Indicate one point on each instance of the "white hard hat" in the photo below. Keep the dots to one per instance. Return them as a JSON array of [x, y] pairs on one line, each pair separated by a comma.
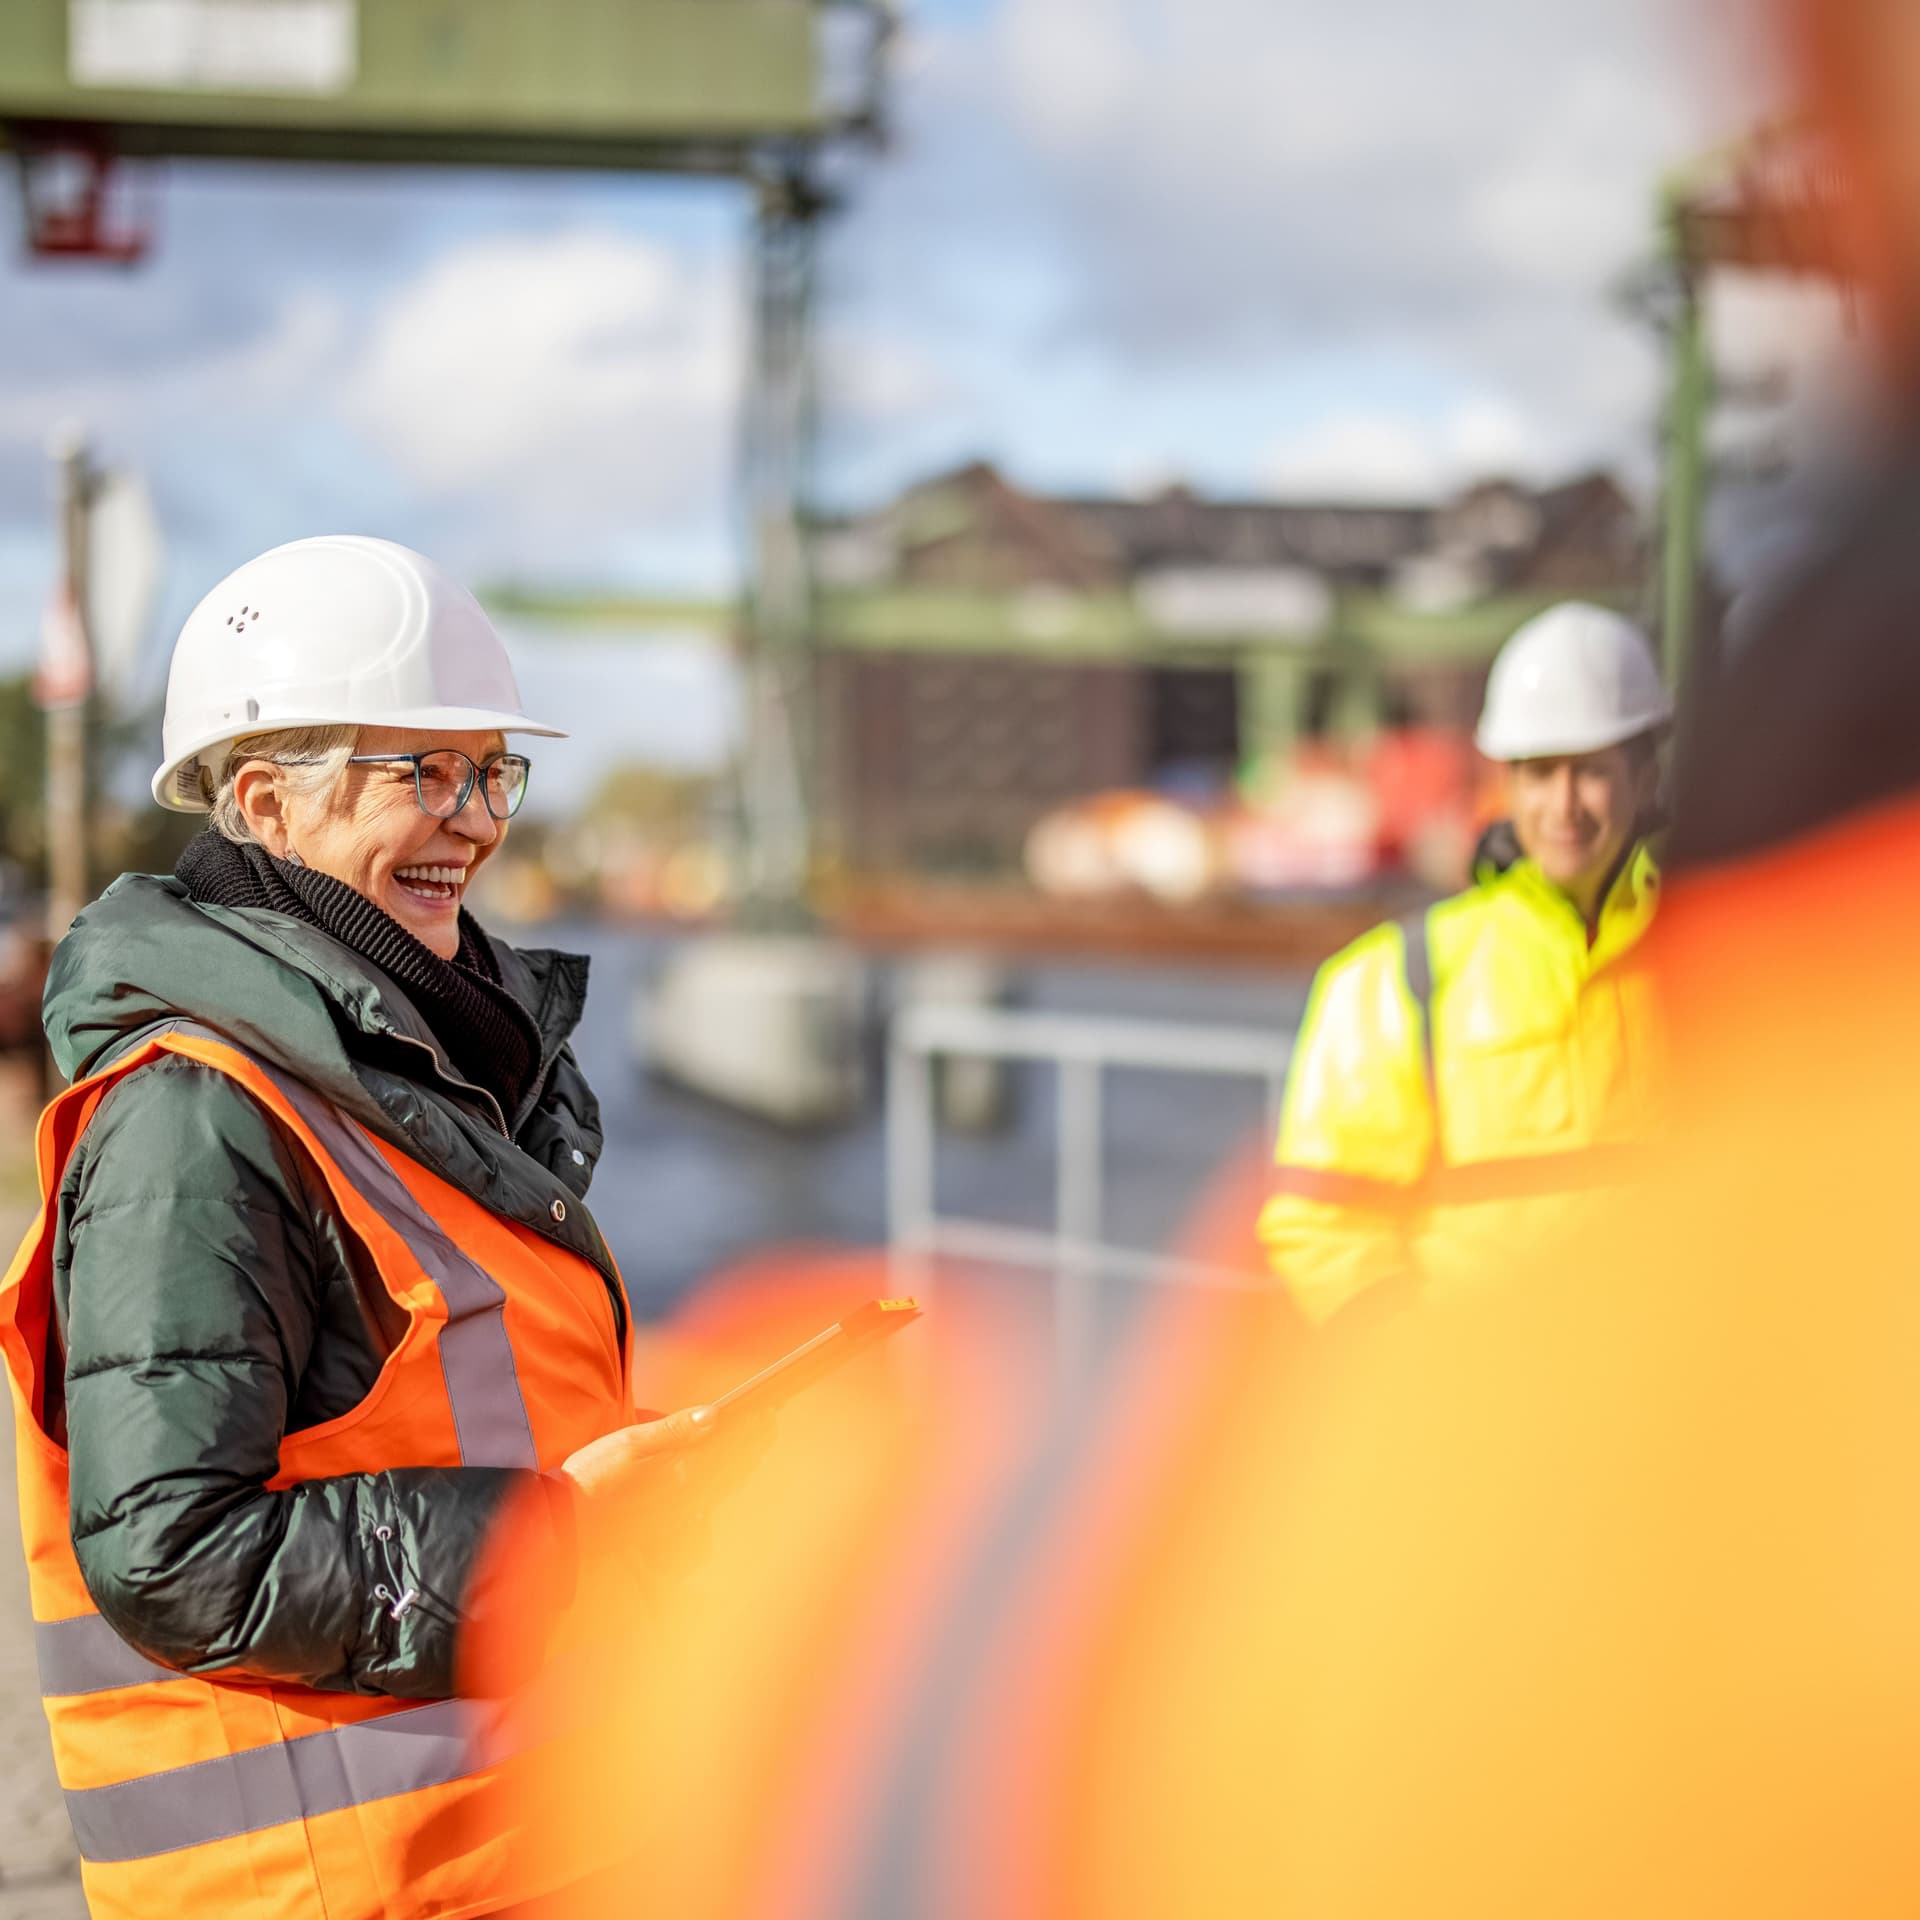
[[335, 631], [1573, 680]]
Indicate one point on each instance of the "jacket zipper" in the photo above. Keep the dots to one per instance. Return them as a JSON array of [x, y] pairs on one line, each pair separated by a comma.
[[612, 1286], [447, 1079]]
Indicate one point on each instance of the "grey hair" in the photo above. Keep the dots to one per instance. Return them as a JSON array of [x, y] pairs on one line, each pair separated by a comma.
[[313, 759]]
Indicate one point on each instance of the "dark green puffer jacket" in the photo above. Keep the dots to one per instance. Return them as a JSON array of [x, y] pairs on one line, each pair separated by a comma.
[[210, 1300]]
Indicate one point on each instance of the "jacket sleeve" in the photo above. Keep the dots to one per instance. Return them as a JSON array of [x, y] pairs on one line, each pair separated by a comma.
[[193, 1269], [1356, 1132]]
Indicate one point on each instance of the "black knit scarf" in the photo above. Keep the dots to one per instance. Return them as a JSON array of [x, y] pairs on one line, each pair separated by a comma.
[[489, 1036]]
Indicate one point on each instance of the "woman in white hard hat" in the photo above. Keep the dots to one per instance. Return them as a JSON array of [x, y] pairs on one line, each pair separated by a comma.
[[315, 1295], [1464, 1080]]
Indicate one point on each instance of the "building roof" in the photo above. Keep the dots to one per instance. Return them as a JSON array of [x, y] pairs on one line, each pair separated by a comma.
[[1179, 528], [968, 553]]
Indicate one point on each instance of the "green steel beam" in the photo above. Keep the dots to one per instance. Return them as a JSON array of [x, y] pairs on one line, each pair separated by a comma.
[[1471, 635], [1103, 626], [1109, 626], [615, 616], [604, 83]]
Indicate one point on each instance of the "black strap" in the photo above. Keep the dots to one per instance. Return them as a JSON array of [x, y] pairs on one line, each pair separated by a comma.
[[1600, 1168], [1329, 1187]]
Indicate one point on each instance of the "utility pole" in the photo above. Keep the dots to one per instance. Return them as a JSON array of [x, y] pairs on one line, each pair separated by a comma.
[[776, 774], [64, 689]]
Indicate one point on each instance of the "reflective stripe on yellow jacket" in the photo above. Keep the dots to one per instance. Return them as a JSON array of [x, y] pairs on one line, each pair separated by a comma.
[[231, 1794], [1429, 1143]]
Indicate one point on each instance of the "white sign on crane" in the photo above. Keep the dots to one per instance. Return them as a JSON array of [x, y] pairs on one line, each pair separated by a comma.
[[214, 46]]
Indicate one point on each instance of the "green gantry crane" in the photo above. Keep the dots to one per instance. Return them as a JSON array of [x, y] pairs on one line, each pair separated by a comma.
[[1765, 203]]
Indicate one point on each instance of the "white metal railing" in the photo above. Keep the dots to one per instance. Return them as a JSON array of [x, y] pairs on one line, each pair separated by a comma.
[[1081, 1049]]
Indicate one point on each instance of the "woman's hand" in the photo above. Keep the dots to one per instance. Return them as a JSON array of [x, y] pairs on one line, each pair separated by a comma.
[[646, 1495], [608, 1465]]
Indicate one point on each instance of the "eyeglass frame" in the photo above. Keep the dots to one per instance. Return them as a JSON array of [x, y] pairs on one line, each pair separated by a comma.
[[473, 779]]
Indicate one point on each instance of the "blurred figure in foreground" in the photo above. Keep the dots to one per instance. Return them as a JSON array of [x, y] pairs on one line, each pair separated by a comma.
[[1460, 1076], [1599, 1598], [1595, 1597]]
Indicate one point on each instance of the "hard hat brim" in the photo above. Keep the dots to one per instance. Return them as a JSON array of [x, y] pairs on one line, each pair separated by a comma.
[[165, 784], [1495, 745]]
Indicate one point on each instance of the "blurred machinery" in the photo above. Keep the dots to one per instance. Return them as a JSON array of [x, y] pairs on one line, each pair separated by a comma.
[[1766, 204], [769, 92], [773, 93]]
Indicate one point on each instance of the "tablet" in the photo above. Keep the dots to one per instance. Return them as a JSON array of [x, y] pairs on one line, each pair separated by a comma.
[[862, 1328]]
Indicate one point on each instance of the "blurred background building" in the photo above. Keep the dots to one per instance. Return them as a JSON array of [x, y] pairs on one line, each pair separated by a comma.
[[1018, 683]]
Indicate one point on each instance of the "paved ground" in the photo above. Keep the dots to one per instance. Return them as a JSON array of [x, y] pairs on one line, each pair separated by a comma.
[[39, 1870]]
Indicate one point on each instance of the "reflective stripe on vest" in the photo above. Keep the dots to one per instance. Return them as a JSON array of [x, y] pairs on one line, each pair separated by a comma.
[[299, 1779], [488, 1412], [1416, 946], [345, 1766], [85, 1655], [200, 1814]]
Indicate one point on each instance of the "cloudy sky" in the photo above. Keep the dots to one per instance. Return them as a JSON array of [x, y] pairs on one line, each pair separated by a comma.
[[1339, 247]]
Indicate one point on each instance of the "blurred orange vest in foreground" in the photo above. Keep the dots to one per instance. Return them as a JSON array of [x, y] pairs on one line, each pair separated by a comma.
[[1602, 1598], [1599, 1596], [207, 1796]]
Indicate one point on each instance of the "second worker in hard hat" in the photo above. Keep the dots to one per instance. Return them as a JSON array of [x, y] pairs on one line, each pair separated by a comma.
[[1465, 1079]]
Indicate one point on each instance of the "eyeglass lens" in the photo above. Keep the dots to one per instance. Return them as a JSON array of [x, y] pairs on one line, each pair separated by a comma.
[[446, 783]]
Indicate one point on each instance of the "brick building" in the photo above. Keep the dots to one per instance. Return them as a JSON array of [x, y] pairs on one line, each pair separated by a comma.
[[987, 653]]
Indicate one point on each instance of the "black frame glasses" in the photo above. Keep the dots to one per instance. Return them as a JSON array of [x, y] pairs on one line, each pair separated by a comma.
[[467, 784]]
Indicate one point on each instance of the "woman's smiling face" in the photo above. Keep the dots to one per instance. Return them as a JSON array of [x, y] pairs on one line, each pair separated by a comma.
[[370, 832]]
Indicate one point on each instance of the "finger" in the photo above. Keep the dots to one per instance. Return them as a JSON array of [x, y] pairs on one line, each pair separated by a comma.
[[676, 1430]]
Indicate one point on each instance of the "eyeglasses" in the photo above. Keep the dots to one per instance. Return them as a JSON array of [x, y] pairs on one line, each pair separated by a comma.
[[443, 781]]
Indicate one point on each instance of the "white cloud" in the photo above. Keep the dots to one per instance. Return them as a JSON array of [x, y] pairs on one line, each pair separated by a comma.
[[1077, 66], [567, 391], [580, 380], [1372, 457], [1407, 145], [1392, 458], [876, 380], [266, 372], [1573, 205], [1238, 191]]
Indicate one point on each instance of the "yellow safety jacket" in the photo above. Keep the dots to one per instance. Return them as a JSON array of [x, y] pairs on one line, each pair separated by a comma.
[[1465, 1085], [228, 1794]]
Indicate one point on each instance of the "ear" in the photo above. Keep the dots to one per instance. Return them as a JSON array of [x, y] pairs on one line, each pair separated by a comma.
[[1646, 780], [262, 799]]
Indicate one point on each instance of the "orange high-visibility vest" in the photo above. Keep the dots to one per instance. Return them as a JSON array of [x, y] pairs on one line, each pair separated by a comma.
[[207, 1795]]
